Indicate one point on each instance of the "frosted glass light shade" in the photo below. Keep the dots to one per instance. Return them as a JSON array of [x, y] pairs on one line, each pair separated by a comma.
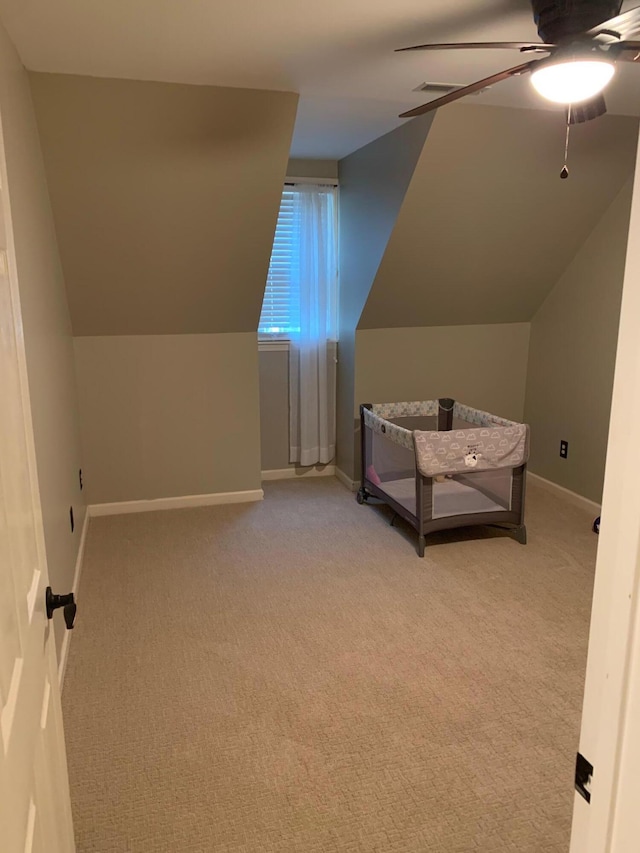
[[571, 81]]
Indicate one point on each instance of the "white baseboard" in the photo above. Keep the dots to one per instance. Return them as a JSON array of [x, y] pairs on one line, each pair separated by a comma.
[[567, 494], [352, 485], [64, 650], [296, 473], [181, 502]]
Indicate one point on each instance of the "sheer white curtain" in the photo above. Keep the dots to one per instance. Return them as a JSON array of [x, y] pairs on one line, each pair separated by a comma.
[[312, 391]]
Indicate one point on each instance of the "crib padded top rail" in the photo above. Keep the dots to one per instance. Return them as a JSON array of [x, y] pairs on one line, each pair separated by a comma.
[[491, 443]]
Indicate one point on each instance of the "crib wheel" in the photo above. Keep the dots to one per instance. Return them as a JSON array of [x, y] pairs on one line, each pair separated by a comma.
[[361, 495]]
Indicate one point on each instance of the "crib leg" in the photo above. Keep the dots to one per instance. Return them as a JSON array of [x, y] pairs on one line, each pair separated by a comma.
[[520, 534], [393, 519], [421, 545]]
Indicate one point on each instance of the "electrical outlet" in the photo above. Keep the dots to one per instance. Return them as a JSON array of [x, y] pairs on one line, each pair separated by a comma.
[[564, 449], [71, 518], [80, 479]]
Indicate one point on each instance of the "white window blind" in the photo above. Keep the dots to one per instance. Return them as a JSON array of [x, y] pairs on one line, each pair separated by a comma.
[[280, 314], [280, 308]]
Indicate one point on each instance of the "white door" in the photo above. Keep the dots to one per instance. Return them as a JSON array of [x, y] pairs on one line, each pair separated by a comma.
[[610, 734], [35, 812]]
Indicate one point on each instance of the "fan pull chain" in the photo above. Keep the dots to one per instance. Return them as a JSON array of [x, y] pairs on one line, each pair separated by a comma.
[[564, 174]]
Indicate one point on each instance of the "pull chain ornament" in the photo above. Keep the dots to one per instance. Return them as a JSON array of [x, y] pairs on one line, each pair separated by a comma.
[[564, 174]]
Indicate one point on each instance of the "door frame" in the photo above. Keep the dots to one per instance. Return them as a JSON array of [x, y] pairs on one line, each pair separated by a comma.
[[50, 826], [610, 729]]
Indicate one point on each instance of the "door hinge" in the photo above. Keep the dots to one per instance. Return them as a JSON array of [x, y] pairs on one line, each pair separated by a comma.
[[584, 777]]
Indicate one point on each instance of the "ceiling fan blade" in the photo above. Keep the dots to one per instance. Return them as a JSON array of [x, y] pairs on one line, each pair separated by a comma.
[[624, 25], [627, 51], [588, 110], [468, 90], [523, 46]]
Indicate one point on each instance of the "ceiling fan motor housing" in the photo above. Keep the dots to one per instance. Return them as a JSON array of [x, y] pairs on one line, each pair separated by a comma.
[[561, 20]]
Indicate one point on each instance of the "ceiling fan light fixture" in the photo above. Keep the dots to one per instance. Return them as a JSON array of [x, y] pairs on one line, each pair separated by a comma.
[[571, 81]]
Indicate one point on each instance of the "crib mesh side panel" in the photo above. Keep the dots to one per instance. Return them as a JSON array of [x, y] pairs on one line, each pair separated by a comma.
[[467, 494], [424, 422], [391, 467], [459, 423]]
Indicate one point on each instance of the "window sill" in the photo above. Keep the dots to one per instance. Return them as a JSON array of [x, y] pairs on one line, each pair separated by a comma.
[[275, 345], [283, 345]]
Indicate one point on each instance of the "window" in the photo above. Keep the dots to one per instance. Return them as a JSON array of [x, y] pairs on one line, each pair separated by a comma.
[[296, 234]]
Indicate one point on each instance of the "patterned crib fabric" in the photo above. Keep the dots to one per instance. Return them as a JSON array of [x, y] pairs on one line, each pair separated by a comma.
[[427, 408], [495, 443], [379, 424], [465, 450], [477, 416]]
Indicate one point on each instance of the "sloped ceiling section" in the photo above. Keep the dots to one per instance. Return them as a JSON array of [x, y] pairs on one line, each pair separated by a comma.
[[373, 182], [487, 227], [165, 199]]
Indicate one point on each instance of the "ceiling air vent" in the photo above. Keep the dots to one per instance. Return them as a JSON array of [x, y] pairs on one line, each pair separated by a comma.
[[438, 89]]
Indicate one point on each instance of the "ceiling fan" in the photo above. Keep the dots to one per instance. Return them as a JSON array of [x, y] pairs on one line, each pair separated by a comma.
[[581, 42]]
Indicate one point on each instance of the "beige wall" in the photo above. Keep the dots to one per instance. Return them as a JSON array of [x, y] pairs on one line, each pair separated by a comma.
[[47, 330], [312, 169], [373, 182], [165, 199], [274, 410], [481, 366], [487, 227], [168, 415], [347, 435], [572, 358]]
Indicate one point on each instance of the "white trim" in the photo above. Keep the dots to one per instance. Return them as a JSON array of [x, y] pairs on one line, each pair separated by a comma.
[[64, 649], [181, 502], [626, 819], [567, 494], [608, 721], [275, 345], [294, 473], [346, 481], [321, 182]]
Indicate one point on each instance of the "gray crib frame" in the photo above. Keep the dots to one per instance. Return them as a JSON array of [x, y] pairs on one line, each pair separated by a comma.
[[511, 520]]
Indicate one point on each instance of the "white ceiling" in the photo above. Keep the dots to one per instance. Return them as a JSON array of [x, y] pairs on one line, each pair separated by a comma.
[[338, 54]]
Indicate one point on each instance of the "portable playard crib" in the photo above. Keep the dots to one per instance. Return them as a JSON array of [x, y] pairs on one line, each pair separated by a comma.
[[441, 465]]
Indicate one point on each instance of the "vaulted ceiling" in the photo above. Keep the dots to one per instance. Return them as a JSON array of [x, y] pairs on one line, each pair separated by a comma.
[[339, 55], [487, 227], [165, 199]]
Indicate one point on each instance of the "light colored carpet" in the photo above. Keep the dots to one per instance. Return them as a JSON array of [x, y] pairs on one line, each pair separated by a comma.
[[290, 676]]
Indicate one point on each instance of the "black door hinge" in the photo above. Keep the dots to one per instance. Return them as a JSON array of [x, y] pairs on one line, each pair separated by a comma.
[[584, 777]]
